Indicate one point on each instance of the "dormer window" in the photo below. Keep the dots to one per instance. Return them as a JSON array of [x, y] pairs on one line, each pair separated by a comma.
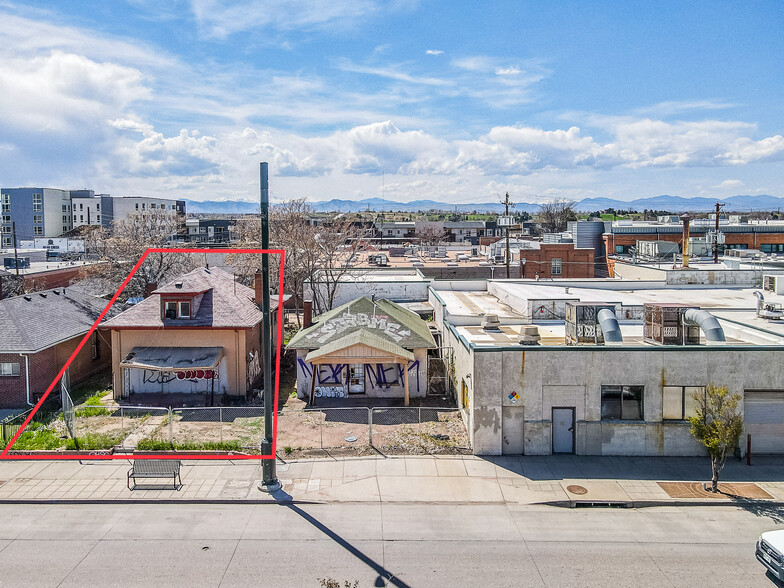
[[177, 310]]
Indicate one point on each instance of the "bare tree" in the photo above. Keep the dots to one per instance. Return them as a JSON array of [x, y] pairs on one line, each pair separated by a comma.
[[430, 234], [554, 215], [122, 248]]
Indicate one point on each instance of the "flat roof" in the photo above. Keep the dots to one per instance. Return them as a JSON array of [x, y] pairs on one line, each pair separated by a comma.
[[476, 303]]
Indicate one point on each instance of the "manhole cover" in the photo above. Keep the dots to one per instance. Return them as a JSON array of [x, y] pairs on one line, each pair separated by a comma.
[[576, 490], [351, 438]]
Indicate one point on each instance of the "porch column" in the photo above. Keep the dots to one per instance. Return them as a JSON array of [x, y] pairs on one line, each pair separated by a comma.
[[313, 383], [405, 378]]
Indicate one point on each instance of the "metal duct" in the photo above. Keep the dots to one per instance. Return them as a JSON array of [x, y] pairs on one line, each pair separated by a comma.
[[705, 321], [609, 325]]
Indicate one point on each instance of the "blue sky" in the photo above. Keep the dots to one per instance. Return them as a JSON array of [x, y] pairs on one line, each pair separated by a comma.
[[451, 101]]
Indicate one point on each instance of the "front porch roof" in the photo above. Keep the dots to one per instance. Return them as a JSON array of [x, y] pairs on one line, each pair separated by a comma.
[[358, 338], [173, 359]]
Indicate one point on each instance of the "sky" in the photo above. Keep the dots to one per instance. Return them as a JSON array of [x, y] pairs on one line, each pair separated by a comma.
[[451, 101]]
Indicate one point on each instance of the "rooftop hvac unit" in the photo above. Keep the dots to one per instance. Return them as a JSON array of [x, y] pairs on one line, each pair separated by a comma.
[[582, 322], [664, 325]]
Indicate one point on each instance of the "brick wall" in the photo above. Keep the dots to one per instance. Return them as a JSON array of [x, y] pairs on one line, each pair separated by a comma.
[[575, 263], [46, 364]]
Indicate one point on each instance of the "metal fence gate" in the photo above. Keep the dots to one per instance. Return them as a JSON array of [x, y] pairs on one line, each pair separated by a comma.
[[69, 413]]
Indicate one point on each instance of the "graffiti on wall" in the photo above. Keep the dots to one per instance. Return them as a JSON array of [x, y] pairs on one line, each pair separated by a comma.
[[156, 377], [347, 320], [254, 368], [378, 376]]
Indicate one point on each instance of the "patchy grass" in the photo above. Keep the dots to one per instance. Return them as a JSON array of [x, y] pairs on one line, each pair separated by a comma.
[[38, 436], [93, 441], [160, 445]]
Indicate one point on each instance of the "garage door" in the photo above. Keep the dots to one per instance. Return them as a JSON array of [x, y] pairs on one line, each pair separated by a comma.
[[764, 417]]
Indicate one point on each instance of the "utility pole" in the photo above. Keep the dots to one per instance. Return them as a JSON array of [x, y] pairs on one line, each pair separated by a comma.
[[269, 481], [716, 236], [506, 204], [16, 257]]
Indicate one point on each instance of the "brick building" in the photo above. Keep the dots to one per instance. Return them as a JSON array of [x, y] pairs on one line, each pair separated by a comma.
[[38, 333], [557, 260]]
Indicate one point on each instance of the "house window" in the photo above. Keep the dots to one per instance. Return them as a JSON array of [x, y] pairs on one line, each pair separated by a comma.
[[137, 206], [81, 218], [9, 369], [65, 208], [6, 241], [74, 218], [38, 230], [170, 310], [678, 402], [184, 310], [153, 205], [65, 219], [555, 267], [330, 376], [6, 218], [65, 229], [38, 219], [622, 403], [97, 218], [7, 229], [97, 206], [81, 206], [38, 200], [94, 346], [6, 202]]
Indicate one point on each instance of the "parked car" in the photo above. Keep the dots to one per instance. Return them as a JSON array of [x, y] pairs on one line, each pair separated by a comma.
[[770, 552]]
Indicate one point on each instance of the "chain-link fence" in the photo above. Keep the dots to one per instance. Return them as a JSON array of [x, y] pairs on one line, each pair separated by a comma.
[[388, 429], [418, 430], [229, 427]]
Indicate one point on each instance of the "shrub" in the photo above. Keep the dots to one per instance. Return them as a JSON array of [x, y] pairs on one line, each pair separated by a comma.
[[93, 441], [38, 438]]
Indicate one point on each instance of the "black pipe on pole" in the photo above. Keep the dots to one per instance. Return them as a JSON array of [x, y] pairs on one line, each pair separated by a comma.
[[269, 476], [16, 257]]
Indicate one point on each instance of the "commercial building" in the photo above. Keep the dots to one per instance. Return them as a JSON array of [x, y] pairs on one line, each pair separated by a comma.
[[539, 369], [48, 212], [199, 230]]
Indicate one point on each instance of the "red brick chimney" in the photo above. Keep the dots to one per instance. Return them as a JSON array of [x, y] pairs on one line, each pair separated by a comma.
[[307, 318], [149, 289], [258, 290]]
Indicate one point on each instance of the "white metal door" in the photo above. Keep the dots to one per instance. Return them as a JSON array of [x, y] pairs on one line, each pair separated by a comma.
[[356, 378], [764, 418], [563, 430]]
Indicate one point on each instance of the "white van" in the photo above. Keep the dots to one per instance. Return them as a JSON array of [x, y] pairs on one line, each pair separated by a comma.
[[770, 552]]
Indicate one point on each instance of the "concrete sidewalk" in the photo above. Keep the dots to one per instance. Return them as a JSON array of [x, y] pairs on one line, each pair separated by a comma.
[[407, 479]]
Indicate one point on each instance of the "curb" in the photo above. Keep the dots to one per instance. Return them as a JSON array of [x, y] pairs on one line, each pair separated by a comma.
[[655, 503]]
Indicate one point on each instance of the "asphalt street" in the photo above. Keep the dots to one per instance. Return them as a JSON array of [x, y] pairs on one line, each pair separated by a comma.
[[383, 544]]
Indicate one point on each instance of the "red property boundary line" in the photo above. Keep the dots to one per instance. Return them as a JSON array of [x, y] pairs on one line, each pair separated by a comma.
[[234, 457]]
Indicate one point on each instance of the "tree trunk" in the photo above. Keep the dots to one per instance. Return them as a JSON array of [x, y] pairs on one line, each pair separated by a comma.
[[715, 479]]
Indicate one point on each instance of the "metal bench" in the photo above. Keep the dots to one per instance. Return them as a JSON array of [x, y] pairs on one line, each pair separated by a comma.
[[155, 468]]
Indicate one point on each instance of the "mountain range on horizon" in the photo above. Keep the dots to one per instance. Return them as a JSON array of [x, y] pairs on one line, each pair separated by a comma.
[[739, 203]]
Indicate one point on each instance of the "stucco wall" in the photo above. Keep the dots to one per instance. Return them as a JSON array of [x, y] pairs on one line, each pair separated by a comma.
[[545, 378], [377, 377], [232, 342]]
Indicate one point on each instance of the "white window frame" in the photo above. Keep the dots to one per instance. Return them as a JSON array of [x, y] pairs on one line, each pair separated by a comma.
[[9, 369], [556, 266]]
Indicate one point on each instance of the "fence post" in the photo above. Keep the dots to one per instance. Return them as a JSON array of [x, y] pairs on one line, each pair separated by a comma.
[[321, 431], [171, 418], [419, 415], [122, 424], [220, 417], [370, 426]]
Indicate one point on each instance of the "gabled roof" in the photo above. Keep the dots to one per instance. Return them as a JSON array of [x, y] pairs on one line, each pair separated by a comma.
[[37, 321], [225, 304], [387, 320], [360, 338]]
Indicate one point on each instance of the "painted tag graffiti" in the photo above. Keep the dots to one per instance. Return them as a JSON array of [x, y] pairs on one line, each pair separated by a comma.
[[347, 320], [254, 368]]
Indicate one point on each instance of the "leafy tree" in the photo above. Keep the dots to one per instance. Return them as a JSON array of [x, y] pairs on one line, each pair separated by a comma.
[[717, 425]]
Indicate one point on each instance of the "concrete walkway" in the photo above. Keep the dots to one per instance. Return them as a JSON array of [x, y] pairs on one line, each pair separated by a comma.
[[407, 479]]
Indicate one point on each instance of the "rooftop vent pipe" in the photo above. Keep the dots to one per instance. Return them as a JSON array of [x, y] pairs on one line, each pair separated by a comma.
[[705, 321], [529, 335], [490, 322], [609, 325], [760, 300]]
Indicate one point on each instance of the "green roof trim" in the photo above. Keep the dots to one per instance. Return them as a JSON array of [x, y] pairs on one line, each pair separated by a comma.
[[360, 338], [380, 317]]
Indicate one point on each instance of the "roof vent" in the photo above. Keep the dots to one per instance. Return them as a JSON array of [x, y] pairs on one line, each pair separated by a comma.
[[490, 322], [56, 292], [28, 298], [529, 335], [42, 294], [178, 285]]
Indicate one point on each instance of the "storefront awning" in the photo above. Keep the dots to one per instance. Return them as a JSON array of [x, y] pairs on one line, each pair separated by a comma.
[[173, 359]]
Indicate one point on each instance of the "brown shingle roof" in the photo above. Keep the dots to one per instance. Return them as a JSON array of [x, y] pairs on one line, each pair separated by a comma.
[[225, 304]]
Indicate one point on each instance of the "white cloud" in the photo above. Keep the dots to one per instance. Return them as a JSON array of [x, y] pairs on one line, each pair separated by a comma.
[[730, 185], [391, 73], [507, 71], [220, 19], [434, 52]]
